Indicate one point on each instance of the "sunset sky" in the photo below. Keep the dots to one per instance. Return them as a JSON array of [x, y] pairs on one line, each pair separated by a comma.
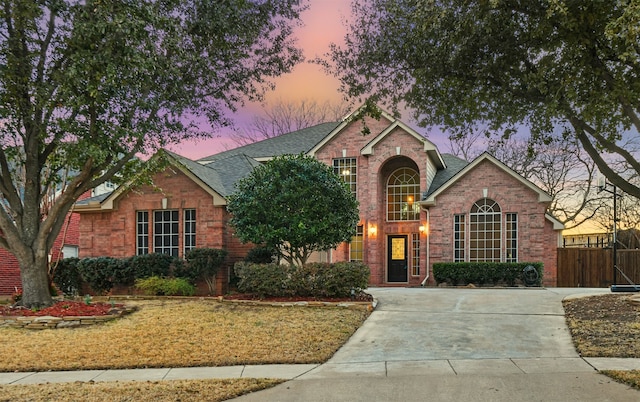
[[323, 24]]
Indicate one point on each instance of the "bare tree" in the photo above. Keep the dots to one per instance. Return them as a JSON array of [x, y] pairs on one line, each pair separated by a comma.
[[287, 116], [559, 168], [465, 144]]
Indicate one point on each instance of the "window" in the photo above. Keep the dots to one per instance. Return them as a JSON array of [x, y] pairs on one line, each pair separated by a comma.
[[347, 169], [485, 231], [403, 194], [189, 230], [165, 232], [459, 228], [142, 232], [511, 237], [415, 254], [356, 246]]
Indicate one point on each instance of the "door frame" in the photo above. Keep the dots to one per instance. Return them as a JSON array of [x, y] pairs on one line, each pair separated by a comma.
[[388, 256]]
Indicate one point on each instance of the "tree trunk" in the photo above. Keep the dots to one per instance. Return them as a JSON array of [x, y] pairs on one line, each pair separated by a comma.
[[35, 281]]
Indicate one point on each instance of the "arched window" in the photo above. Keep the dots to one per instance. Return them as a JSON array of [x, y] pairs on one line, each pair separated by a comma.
[[403, 194], [485, 231]]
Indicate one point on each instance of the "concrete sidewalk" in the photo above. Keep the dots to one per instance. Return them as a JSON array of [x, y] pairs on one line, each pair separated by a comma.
[[335, 370]]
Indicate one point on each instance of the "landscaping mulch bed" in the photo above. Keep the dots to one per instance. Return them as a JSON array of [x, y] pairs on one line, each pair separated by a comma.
[[65, 308]]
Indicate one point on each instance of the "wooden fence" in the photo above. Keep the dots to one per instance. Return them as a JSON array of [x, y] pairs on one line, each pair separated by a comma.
[[593, 267]]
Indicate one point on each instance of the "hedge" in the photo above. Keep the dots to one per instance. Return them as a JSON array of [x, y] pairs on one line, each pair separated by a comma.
[[480, 273], [102, 273], [311, 280]]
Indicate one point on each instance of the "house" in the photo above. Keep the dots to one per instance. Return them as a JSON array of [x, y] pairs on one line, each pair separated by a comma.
[[65, 245], [417, 206]]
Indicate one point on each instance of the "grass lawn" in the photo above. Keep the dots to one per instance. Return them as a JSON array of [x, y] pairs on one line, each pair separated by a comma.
[[170, 333]]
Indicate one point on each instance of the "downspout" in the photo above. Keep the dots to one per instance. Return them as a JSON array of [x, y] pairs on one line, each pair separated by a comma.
[[424, 282]]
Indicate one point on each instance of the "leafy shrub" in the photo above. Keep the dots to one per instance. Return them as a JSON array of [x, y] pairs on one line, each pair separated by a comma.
[[263, 279], [202, 263], [99, 272], [315, 280], [66, 276], [154, 264], [480, 273], [340, 278], [158, 286]]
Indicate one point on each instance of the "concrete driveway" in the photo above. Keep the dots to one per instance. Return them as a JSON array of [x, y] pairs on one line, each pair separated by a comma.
[[442, 344]]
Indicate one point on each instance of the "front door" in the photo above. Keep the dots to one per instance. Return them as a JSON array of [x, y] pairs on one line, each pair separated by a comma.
[[397, 258]]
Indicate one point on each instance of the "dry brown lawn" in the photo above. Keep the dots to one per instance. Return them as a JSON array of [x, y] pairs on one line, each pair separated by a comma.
[[606, 326], [170, 333], [160, 391], [185, 333]]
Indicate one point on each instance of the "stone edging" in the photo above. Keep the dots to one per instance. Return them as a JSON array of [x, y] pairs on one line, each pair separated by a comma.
[[50, 322]]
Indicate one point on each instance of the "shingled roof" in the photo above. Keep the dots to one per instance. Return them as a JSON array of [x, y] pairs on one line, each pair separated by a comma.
[[293, 143], [453, 166]]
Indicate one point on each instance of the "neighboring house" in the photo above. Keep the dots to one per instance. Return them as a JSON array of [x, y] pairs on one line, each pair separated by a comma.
[[417, 206], [65, 245]]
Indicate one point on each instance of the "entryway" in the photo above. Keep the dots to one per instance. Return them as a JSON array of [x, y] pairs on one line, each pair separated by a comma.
[[397, 261]]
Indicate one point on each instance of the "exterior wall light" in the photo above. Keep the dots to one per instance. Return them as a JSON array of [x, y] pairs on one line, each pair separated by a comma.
[[373, 230]]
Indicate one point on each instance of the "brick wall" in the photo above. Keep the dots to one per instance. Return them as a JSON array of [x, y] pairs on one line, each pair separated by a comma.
[[113, 233], [397, 149], [9, 273], [535, 233]]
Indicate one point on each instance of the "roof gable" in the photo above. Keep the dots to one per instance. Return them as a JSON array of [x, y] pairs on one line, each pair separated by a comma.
[[208, 179], [429, 147], [449, 180], [347, 120]]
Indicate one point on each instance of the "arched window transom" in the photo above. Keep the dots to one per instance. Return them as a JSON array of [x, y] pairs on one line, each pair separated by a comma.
[[403, 194]]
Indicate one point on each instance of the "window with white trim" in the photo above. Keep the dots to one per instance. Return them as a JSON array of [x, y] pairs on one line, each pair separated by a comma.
[[403, 195], [415, 254], [485, 231], [189, 223], [356, 247], [511, 237], [459, 236], [142, 232], [166, 232], [347, 169]]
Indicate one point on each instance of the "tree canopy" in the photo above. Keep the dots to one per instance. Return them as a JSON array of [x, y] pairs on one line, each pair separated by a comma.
[[296, 205], [555, 66], [86, 85]]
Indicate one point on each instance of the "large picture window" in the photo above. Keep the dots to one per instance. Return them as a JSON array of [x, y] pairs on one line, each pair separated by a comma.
[[347, 169], [166, 232], [485, 231], [403, 195]]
